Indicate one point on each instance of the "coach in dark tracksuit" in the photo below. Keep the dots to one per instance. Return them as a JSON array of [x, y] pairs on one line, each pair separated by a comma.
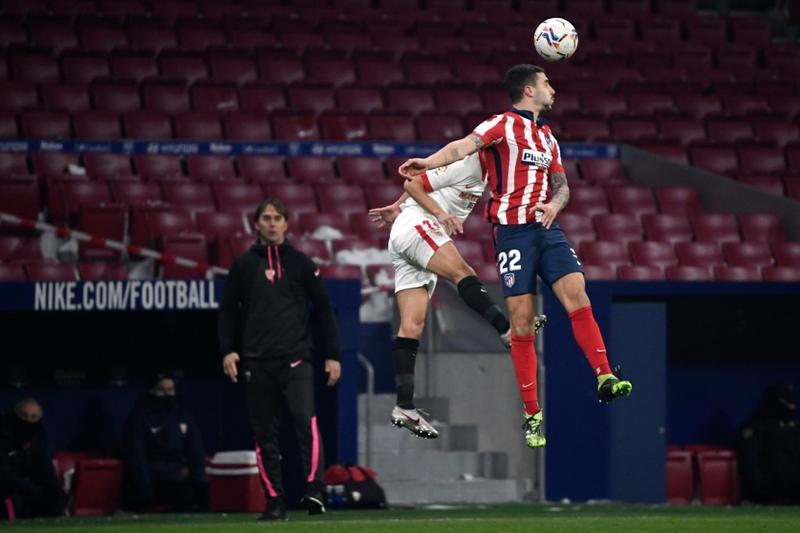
[[272, 294]]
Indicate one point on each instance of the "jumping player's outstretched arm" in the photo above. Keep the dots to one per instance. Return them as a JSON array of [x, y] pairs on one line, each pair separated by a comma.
[[416, 189], [452, 152]]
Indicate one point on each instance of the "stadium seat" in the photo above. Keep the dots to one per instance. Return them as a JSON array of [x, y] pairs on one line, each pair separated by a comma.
[[170, 98], [747, 254], [364, 228], [761, 227], [459, 100], [344, 126], [680, 477], [716, 159], [186, 246], [632, 199], [779, 132], [602, 171], [578, 228], [658, 254], [410, 100], [585, 129], [34, 67], [238, 70], [604, 253], [157, 166], [96, 487], [20, 195], [729, 130], [163, 221], [683, 130], [198, 125], [260, 168], [650, 104], [210, 167], [737, 273], [761, 159], [439, 128], [379, 72], [298, 198], [699, 106], [45, 125], [311, 99], [236, 197], [8, 125], [339, 198], [703, 254], [604, 105], [688, 273], [617, 227], [587, 201], [718, 478], [316, 249], [599, 272], [185, 67], [116, 97], [391, 127], [781, 273], [17, 96], [102, 271], [53, 33], [247, 126], [154, 38], [136, 193], [715, 227], [106, 221], [295, 126], [667, 228], [383, 195], [52, 164], [106, 164], [189, 196], [96, 125], [68, 97], [48, 271], [786, 254], [678, 200], [219, 226], [84, 68], [15, 249], [640, 273], [361, 169], [262, 98], [331, 71], [151, 125], [76, 194], [745, 104], [359, 99], [219, 97], [310, 169], [102, 39], [133, 67], [310, 222], [633, 130], [12, 272]]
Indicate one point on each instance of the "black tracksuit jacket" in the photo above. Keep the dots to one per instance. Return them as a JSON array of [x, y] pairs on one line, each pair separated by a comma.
[[271, 295]]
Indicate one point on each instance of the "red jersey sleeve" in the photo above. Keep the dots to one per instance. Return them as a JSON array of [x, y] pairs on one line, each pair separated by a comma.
[[491, 130]]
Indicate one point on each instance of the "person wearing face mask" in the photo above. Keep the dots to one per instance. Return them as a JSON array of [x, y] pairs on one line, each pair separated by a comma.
[[769, 449], [163, 453], [28, 483]]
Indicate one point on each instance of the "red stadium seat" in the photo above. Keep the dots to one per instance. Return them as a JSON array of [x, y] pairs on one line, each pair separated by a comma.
[[67, 196], [11, 163], [316, 249], [238, 197], [737, 273], [755, 254], [154, 37], [96, 487], [659, 254], [34, 67], [779, 132], [185, 67], [159, 223], [298, 199], [133, 67], [107, 164], [680, 477], [310, 222], [102, 271], [260, 168], [599, 272], [359, 99], [786, 253], [640, 273], [297, 126], [168, 98], [200, 37], [729, 130], [217, 226], [577, 227], [12, 272], [116, 97], [632, 199], [715, 227], [151, 125], [198, 125], [604, 105], [683, 130], [703, 254], [52, 164], [210, 167], [602, 171], [585, 129], [47, 271], [778, 273], [262, 98], [716, 159], [102, 38], [443, 128], [608, 253], [384, 195], [617, 227], [45, 125], [678, 200], [8, 125], [588, 201], [247, 126], [378, 71], [331, 71], [85, 68], [719, 478], [189, 196], [698, 105], [17, 96], [214, 97], [761, 227], [346, 199], [361, 169], [310, 169], [745, 104], [19, 249], [427, 71], [97, 125], [410, 100], [344, 126], [156, 166], [667, 228], [136, 193], [395, 127], [185, 246], [107, 221], [459, 100], [761, 159], [53, 34], [20, 195], [688, 273], [364, 228], [311, 99], [649, 104]]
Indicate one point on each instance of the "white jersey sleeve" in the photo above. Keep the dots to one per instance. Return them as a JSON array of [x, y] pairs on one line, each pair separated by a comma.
[[455, 187]]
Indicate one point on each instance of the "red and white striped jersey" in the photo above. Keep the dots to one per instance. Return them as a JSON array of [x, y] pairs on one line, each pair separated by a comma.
[[519, 156]]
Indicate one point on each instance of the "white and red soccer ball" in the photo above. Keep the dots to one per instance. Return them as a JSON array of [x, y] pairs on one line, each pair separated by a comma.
[[555, 39]]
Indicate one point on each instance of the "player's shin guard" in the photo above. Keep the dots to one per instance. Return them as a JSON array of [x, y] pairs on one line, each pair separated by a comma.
[[405, 355], [589, 338], [474, 295], [523, 355]]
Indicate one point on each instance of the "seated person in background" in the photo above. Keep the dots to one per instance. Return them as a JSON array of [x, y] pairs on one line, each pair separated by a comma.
[[28, 481], [769, 449], [163, 453]]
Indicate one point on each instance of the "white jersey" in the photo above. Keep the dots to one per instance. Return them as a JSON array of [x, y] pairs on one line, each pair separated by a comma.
[[456, 187], [416, 234]]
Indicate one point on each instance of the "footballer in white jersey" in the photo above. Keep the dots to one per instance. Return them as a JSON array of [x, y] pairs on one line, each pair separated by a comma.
[[416, 234]]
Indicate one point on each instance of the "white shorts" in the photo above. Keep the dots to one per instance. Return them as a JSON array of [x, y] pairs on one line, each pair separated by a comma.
[[414, 239]]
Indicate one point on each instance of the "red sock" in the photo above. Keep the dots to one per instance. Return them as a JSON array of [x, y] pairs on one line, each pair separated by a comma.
[[523, 355], [589, 338]]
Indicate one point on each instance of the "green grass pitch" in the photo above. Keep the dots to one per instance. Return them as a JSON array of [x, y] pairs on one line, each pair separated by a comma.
[[494, 518]]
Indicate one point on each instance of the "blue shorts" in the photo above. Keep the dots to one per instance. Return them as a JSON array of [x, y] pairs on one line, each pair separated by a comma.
[[524, 251]]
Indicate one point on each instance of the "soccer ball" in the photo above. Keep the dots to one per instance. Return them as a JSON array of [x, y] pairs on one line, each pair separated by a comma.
[[555, 39]]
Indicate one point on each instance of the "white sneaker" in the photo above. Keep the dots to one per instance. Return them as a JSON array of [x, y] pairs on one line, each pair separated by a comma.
[[412, 420]]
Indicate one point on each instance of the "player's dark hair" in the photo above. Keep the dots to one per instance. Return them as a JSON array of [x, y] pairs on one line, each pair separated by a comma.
[[517, 78], [279, 206]]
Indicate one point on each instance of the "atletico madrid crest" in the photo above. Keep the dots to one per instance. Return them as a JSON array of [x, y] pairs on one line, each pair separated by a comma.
[[509, 279]]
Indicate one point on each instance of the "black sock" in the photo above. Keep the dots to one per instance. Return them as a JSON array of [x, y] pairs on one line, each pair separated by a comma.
[[474, 294], [405, 355]]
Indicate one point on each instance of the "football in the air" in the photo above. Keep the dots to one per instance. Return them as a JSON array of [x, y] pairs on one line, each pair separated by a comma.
[[555, 39]]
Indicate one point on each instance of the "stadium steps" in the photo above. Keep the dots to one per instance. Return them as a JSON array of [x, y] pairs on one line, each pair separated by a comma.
[[444, 470]]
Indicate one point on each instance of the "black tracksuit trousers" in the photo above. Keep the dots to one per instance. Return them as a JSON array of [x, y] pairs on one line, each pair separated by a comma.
[[267, 383]]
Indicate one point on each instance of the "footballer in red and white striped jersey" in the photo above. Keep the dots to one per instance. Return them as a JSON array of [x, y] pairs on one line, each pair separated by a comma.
[[519, 155]]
